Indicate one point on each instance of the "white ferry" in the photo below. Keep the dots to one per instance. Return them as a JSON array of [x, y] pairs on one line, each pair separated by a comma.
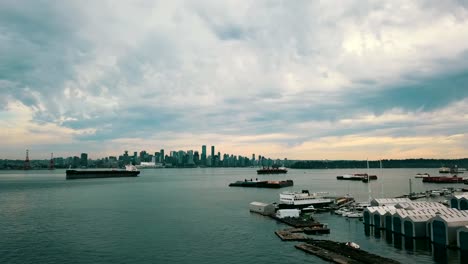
[[304, 199]]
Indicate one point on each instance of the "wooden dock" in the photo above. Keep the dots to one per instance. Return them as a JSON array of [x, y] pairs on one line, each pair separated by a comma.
[[341, 253], [325, 255], [286, 235]]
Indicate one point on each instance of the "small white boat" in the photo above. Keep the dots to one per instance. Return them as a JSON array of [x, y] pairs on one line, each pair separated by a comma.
[[354, 215], [422, 175], [353, 245], [308, 209], [341, 211]]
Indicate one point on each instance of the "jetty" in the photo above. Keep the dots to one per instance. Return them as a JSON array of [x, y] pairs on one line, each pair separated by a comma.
[[337, 252]]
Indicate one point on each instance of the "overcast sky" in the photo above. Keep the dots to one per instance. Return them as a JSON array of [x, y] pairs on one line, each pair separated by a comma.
[[296, 79]]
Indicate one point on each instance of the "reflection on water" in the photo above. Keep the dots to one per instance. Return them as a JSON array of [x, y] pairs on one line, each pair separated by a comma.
[[397, 241], [440, 254]]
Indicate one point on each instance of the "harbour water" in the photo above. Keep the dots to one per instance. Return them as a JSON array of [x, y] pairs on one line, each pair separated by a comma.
[[183, 216]]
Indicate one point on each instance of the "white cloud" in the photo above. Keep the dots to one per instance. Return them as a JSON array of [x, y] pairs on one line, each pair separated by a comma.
[[276, 72]]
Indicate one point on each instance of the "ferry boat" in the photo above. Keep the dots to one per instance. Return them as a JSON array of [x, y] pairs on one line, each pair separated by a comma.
[[268, 170], [304, 199], [130, 171]]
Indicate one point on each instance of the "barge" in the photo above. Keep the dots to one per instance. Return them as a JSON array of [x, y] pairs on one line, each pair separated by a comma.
[[280, 170], [262, 184], [442, 179], [356, 177], [130, 171]]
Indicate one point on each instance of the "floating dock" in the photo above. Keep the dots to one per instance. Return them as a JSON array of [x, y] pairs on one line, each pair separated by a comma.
[[341, 253], [288, 235], [299, 222]]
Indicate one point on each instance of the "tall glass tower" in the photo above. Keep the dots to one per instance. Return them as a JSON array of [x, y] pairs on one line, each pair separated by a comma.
[[203, 155], [212, 155]]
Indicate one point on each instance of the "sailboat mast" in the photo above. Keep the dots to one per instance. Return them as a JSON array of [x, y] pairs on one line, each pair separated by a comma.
[[368, 182], [381, 179]]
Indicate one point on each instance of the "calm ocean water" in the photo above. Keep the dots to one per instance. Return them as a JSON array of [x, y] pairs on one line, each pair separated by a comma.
[[181, 216]]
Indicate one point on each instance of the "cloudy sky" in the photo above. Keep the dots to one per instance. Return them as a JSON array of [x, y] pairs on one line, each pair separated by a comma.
[[296, 79]]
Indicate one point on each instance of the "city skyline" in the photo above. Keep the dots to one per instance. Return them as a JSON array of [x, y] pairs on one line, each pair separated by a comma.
[[303, 80]]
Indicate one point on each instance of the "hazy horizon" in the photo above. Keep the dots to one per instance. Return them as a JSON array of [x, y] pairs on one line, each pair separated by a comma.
[[309, 80]]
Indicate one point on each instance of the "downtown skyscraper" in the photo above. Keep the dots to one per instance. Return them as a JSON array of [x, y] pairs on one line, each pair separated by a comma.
[[203, 155]]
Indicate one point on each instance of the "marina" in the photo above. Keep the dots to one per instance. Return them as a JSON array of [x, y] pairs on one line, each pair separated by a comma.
[[192, 191]]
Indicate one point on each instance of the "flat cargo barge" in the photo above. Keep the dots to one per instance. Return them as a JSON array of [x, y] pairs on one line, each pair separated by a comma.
[[442, 179], [91, 174], [262, 184], [272, 171], [337, 252]]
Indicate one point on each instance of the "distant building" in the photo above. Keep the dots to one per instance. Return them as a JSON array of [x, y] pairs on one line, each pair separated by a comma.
[[84, 160], [162, 160], [213, 155], [203, 155], [196, 158]]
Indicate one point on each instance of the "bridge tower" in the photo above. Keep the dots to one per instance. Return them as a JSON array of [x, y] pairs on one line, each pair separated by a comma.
[[27, 163]]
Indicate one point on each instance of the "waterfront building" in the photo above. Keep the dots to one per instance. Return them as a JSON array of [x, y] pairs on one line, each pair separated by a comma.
[[459, 201], [444, 227], [399, 216], [262, 208], [415, 226], [389, 201], [375, 215], [462, 238], [419, 205]]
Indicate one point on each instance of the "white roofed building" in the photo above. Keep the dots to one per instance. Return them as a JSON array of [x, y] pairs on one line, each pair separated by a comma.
[[459, 201], [414, 226], [443, 227], [388, 201], [462, 238]]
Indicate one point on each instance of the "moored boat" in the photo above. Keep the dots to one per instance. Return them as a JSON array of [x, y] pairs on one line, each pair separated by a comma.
[[303, 199], [269, 170], [422, 175], [262, 184], [443, 179], [356, 177], [130, 171]]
